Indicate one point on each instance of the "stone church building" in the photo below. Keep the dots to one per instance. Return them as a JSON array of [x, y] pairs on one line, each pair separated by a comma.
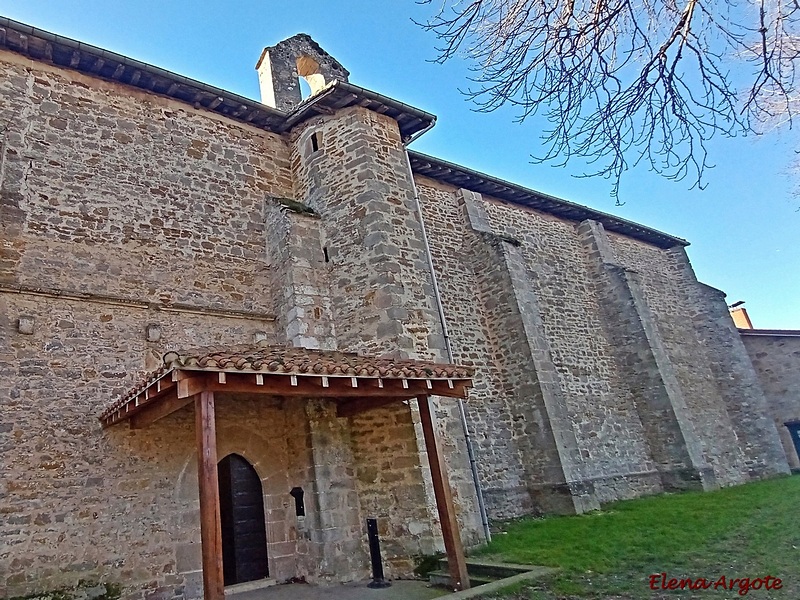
[[231, 331]]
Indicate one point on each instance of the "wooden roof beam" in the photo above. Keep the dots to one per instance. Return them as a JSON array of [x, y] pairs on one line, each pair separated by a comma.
[[193, 382], [165, 394], [158, 410], [150, 396], [345, 101]]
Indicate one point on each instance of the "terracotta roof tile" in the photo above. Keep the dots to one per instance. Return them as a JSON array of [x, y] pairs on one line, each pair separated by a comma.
[[303, 361], [292, 361]]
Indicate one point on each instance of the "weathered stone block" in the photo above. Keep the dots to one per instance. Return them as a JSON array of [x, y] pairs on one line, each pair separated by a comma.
[[26, 324]]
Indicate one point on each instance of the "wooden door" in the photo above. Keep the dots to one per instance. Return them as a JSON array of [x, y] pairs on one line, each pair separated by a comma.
[[244, 535]]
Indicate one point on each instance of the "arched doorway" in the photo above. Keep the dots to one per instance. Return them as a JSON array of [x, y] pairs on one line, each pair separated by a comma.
[[244, 534]]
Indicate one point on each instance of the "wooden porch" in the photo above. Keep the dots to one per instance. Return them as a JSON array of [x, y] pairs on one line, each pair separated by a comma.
[[355, 383]]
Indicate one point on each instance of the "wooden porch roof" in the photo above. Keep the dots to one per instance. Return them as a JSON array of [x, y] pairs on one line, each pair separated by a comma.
[[356, 382]]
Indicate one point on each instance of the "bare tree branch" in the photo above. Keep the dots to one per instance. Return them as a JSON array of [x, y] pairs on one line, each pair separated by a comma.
[[626, 82]]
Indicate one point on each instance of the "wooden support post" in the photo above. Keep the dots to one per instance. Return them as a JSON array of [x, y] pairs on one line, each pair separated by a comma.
[[457, 564], [210, 527]]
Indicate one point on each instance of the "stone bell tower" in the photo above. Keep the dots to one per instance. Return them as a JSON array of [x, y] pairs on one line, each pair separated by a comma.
[[358, 279], [281, 66]]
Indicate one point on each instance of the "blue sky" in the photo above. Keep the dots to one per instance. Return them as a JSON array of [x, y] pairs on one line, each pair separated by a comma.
[[743, 227]]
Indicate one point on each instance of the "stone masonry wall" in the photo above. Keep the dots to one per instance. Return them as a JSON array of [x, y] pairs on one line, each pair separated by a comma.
[[131, 224], [303, 300], [390, 487], [599, 439], [606, 426], [502, 477], [337, 530], [719, 387], [382, 300], [358, 182], [776, 360], [737, 380], [80, 502], [98, 177], [649, 374], [477, 295], [671, 310], [496, 261]]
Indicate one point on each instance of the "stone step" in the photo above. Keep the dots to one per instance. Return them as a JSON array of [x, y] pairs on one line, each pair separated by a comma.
[[442, 578], [488, 569], [481, 572], [249, 586]]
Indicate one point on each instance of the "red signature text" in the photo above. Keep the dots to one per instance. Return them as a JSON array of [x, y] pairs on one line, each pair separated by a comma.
[[660, 581]]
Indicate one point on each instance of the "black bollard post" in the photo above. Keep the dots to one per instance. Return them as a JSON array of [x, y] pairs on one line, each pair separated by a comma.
[[375, 556]]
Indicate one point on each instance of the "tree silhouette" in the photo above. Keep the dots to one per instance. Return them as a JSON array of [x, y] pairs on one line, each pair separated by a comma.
[[623, 82]]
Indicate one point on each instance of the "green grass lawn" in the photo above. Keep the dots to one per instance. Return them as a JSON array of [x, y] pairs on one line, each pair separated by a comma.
[[749, 531]]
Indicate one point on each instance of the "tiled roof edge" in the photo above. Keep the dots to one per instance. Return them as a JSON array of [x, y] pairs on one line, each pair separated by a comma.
[[454, 174], [277, 359], [771, 332], [67, 53]]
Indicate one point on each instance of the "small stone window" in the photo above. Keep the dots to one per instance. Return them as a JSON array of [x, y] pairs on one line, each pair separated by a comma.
[[299, 506], [316, 141]]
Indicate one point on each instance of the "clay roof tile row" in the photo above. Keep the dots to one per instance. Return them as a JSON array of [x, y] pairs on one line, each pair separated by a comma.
[[284, 360], [303, 361]]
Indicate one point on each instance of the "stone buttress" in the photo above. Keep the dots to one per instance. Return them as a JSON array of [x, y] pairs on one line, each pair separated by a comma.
[[668, 424]]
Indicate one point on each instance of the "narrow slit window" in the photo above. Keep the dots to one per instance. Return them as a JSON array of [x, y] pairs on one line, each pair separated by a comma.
[[325, 254], [299, 506], [316, 138]]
